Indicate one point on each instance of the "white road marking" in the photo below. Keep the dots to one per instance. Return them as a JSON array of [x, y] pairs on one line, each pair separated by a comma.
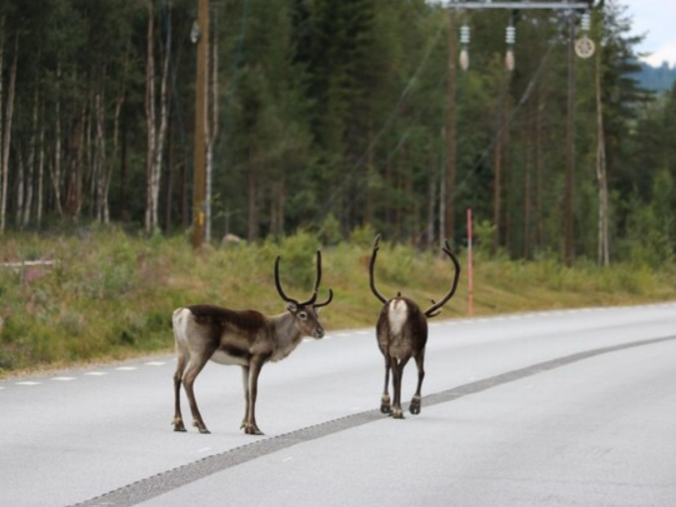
[[362, 333], [287, 459], [205, 449], [155, 363], [1, 388], [63, 379], [96, 373], [28, 383], [126, 368]]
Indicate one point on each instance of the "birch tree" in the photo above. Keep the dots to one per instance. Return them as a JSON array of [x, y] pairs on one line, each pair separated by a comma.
[[156, 133], [211, 124]]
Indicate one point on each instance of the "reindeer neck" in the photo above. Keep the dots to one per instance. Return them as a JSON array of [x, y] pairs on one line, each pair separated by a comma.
[[286, 335]]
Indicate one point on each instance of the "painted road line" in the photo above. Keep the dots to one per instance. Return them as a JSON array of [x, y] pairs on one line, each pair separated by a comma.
[[126, 368], [155, 363], [96, 373], [63, 379], [28, 383]]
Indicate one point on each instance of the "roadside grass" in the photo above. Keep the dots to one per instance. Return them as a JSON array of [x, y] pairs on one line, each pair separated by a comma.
[[110, 295]]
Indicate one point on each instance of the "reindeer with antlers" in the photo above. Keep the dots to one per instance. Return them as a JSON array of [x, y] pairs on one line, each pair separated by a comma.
[[402, 334], [246, 338]]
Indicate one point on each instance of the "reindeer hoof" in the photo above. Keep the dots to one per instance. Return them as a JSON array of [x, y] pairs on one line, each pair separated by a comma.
[[201, 427], [252, 429], [397, 414], [385, 406], [178, 425], [414, 408]]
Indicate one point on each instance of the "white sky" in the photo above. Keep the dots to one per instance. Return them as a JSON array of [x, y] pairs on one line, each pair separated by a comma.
[[657, 20]]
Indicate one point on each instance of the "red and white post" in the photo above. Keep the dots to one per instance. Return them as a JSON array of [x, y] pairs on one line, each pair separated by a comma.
[[470, 273]]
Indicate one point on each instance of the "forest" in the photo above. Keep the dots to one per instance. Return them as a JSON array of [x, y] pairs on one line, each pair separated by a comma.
[[330, 115]]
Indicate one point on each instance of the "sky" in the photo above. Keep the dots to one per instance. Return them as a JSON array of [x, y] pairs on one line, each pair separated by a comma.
[[656, 19]]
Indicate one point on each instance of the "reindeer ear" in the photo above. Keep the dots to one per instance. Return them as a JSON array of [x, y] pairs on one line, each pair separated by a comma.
[[291, 307]]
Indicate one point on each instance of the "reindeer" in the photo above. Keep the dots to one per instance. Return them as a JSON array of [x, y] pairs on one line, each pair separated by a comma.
[[402, 334], [245, 338]]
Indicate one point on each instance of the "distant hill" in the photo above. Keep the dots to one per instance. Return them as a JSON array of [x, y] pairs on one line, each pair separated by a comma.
[[656, 78]]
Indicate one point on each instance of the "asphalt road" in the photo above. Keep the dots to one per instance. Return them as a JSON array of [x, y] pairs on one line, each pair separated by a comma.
[[548, 409]]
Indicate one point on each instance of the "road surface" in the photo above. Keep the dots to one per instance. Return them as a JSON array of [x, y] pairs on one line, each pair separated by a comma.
[[550, 409]]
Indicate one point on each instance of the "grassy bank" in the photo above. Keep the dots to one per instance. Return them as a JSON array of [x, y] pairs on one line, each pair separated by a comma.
[[110, 295]]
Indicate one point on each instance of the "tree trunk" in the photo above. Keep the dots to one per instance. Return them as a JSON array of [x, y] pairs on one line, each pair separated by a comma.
[[116, 150], [7, 139], [497, 177], [170, 175], [2, 98], [41, 168], [211, 126], [30, 176], [100, 156], [431, 201], [56, 167], [537, 168], [20, 184], [162, 131], [73, 206], [150, 119], [252, 220], [156, 134]]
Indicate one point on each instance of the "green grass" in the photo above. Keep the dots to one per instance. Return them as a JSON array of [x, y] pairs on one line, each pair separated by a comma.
[[111, 294]]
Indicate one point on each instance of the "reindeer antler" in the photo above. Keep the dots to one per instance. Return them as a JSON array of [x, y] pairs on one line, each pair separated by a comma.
[[313, 298], [377, 294], [434, 309]]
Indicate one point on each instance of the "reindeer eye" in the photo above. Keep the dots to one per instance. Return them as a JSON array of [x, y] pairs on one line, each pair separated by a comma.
[[302, 315]]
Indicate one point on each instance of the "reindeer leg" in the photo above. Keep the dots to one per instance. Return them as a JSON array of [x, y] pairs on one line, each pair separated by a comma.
[[245, 384], [417, 399], [182, 362], [250, 426], [398, 373], [197, 362], [385, 406]]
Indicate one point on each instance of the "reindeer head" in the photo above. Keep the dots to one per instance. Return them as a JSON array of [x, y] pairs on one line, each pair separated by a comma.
[[305, 313]]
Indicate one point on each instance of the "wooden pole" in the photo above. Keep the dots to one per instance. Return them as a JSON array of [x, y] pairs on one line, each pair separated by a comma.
[[449, 209], [569, 249], [470, 267]]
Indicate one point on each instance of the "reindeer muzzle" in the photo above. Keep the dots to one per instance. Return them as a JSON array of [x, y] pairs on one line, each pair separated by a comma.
[[319, 333]]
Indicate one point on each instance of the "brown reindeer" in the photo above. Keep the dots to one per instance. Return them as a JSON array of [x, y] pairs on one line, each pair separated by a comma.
[[402, 334], [240, 337]]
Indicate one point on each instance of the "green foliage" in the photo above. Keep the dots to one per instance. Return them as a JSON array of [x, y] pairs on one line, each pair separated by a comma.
[[298, 265], [484, 237], [363, 236], [329, 231], [111, 295]]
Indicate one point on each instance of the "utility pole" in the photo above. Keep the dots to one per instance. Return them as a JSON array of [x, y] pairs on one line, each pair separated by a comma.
[[569, 247], [449, 200], [201, 40]]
